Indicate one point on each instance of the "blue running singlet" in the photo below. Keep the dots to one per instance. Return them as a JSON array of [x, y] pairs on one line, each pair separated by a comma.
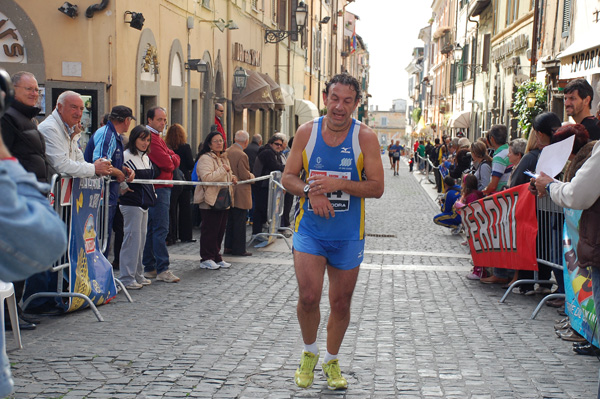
[[344, 161]]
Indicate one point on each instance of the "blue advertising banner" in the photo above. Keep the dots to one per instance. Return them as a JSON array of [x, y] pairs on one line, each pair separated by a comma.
[[579, 303], [90, 273]]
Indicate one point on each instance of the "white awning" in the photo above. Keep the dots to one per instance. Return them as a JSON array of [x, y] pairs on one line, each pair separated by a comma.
[[581, 59], [288, 94], [585, 43], [460, 120], [306, 111]]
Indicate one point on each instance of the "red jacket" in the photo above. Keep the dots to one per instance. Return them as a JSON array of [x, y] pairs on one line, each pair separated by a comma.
[[164, 158], [222, 131]]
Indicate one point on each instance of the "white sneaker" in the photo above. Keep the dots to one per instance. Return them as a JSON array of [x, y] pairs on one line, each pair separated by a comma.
[[209, 264], [134, 286], [144, 281], [224, 264], [456, 231], [167, 277]]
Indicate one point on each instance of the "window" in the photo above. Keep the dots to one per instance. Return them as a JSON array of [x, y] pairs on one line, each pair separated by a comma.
[[566, 21], [206, 3], [384, 121], [512, 11], [254, 4]]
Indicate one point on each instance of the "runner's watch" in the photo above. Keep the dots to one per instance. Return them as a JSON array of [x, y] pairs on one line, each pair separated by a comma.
[[306, 190]]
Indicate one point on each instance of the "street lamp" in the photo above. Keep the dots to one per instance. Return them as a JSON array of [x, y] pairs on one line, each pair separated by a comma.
[[458, 55], [137, 20], [240, 78], [275, 36], [531, 100]]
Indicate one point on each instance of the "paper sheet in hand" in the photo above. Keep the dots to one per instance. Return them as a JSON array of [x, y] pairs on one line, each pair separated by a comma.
[[554, 157]]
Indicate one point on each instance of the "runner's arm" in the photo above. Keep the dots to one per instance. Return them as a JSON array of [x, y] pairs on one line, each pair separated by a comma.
[[372, 186]]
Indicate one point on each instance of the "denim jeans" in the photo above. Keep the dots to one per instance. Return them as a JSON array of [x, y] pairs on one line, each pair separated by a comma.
[[596, 293], [156, 256]]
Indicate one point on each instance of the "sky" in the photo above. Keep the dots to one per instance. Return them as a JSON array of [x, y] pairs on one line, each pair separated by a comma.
[[390, 30]]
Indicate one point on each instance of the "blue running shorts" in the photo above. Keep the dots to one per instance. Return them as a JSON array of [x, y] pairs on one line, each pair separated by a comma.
[[343, 255]]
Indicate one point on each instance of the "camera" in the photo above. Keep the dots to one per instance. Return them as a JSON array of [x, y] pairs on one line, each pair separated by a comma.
[[7, 92]]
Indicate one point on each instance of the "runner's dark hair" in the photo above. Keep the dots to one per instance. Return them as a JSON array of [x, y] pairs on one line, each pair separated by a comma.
[[344, 79]]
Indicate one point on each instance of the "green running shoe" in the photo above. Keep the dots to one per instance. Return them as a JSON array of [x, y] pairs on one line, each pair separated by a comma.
[[305, 372], [331, 371]]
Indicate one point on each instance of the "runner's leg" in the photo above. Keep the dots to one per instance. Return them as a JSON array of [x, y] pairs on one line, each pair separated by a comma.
[[310, 272], [341, 288]]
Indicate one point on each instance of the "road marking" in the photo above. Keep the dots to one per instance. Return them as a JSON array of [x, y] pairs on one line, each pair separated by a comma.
[[425, 268], [369, 266], [413, 253]]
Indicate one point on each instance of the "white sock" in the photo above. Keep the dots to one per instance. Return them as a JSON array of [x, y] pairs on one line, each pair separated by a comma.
[[312, 348], [329, 357]]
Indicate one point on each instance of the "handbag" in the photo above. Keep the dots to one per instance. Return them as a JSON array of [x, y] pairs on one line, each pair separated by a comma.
[[223, 200]]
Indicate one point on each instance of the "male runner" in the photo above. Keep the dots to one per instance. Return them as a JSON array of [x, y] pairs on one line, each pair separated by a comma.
[[340, 163]]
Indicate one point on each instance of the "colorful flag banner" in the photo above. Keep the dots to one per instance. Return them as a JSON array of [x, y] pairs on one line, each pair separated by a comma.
[[90, 273], [501, 229], [579, 302]]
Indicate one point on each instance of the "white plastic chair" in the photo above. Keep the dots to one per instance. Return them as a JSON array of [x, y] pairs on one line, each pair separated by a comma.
[[7, 291]]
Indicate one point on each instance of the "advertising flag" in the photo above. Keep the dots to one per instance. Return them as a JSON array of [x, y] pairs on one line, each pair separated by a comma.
[[501, 229]]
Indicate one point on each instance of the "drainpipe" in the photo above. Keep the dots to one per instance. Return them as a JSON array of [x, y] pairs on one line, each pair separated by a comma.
[[534, 39], [474, 79]]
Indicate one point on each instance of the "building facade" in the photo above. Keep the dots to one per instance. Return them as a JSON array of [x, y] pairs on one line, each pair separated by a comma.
[[181, 55]]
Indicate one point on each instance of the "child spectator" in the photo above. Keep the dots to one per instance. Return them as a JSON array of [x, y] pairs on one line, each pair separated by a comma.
[[449, 218], [469, 194]]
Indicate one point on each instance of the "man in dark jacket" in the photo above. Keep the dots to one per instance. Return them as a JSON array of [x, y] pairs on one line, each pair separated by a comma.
[[252, 149], [267, 161], [26, 143], [19, 131]]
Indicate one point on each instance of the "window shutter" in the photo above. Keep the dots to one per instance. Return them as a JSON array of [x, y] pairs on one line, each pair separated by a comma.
[[566, 22], [453, 78], [485, 57]]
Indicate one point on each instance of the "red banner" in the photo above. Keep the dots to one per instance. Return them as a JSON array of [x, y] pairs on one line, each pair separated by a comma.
[[502, 229]]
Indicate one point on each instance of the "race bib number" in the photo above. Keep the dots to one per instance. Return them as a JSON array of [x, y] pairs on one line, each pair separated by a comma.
[[338, 199]]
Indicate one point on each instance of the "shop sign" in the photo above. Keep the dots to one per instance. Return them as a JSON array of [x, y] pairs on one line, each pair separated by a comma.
[[510, 46], [580, 64], [11, 43], [251, 57]]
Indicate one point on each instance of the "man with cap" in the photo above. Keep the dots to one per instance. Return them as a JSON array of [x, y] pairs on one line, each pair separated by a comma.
[[108, 144]]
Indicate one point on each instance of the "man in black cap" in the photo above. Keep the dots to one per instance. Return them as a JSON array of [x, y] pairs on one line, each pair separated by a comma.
[[107, 143]]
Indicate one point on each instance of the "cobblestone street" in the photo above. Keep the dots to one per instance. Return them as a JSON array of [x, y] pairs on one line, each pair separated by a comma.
[[419, 328]]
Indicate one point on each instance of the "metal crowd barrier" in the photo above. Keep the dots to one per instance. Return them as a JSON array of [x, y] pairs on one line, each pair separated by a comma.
[[274, 207], [59, 189], [548, 249], [274, 210], [426, 167]]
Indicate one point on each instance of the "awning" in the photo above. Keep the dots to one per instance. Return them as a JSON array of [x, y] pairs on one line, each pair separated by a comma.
[[288, 94], [306, 111], [256, 95], [585, 43], [460, 120], [275, 91]]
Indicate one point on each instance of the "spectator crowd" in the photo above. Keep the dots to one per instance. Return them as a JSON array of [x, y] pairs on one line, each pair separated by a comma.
[[466, 172], [145, 218]]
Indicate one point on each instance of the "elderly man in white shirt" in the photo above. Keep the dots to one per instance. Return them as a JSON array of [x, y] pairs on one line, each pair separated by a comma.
[[61, 130]]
